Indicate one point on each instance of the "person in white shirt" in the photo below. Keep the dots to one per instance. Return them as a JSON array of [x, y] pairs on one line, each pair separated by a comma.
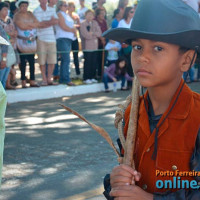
[[46, 42], [125, 22], [113, 49], [65, 34], [75, 45], [81, 11]]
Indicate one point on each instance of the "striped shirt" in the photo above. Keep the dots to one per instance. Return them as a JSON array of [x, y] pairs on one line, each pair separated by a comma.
[[45, 34]]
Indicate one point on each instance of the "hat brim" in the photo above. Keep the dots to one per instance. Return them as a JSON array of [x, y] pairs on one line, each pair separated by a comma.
[[188, 39], [3, 41]]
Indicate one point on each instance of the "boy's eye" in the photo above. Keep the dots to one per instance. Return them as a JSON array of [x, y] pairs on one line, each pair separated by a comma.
[[137, 47], [158, 48]]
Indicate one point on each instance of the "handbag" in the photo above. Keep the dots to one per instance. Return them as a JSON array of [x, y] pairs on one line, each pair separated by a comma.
[[26, 45], [11, 57], [26, 41]]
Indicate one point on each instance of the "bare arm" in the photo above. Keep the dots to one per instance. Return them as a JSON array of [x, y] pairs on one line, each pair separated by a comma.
[[62, 24], [46, 23], [19, 21], [77, 19]]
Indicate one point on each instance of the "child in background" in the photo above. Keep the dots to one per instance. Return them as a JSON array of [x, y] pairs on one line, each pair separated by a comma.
[[113, 49], [116, 71]]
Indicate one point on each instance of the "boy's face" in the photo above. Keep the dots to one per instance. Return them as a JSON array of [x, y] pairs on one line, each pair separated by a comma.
[[157, 63]]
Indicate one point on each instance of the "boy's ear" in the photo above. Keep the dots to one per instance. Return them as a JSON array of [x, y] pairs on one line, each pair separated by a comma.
[[187, 59]]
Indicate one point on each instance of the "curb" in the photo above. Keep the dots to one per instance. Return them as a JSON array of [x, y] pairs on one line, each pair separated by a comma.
[[50, 92]]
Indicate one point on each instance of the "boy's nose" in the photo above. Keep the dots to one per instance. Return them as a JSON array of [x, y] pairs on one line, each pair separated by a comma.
[[144, 56]]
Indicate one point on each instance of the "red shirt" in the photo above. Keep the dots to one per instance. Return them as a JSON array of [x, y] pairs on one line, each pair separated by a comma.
[[103, 26]]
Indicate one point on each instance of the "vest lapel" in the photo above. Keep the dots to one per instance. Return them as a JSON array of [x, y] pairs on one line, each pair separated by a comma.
[[177, 112], [144, 119]]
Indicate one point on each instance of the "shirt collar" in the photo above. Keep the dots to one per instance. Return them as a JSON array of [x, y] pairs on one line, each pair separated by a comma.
[[180, 110]]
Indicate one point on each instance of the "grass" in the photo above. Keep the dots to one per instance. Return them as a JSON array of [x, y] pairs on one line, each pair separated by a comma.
[[77, 81]]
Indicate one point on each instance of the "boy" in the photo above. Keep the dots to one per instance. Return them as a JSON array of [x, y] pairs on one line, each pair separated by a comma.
[[165, 37]]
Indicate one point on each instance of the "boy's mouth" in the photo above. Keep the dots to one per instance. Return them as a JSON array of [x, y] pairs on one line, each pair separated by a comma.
[[143, 71]]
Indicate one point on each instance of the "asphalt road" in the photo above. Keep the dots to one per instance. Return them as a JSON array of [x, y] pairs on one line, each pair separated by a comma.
[[51, 155]]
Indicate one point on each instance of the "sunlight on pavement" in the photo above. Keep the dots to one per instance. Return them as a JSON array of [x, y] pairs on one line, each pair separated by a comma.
[[60, 117], [17, 170], [48, 171], [9, 184]]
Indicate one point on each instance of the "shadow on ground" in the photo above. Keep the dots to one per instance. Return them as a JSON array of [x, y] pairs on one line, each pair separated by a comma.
[[50, 154]]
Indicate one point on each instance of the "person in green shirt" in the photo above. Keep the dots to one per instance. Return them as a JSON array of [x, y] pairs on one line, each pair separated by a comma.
[[3, 103]]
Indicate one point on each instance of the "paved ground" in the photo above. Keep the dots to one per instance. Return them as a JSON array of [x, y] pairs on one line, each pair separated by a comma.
[[50, 154]]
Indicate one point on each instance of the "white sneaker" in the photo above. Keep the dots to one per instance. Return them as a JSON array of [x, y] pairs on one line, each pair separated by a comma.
[[94, 80], [88, 81]]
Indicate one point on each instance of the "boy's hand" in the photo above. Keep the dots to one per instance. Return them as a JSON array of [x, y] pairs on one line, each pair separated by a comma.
[[130, 192], [123, 175]]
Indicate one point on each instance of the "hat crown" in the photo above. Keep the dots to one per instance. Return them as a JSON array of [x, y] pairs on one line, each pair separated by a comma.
[[165, 17], [170, 21]]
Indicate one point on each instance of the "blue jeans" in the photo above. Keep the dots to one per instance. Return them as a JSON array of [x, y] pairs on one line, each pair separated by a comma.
[[107, 79], [191, 74], [4, 75], [56, 70], [64, 46], [197, 66]]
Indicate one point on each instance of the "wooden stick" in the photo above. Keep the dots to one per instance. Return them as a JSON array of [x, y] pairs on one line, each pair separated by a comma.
[[100, 130], [102, 64], [132, 127]]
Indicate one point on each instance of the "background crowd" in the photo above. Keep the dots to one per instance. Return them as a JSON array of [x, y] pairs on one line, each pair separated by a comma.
[[57, 29]]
